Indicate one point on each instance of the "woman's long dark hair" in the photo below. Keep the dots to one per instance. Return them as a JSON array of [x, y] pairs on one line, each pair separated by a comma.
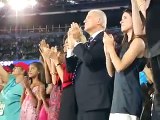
[[125, 38]]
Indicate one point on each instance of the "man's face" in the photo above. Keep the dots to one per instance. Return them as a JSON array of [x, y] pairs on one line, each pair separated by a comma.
[[90, 22], [17, 71]]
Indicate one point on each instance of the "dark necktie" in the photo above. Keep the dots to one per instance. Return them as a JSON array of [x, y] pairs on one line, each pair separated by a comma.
[[89, 41]]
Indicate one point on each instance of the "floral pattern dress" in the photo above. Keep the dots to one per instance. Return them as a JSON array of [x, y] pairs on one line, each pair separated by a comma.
[[54, 103], [28, 111]]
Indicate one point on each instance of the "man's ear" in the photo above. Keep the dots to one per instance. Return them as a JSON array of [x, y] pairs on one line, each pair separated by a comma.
[[99, 21], [24, 72]]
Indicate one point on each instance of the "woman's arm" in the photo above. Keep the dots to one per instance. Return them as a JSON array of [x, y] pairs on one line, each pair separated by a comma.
[[49, 88], [109, 64], [142, 6], [44, 50], [33, 97], [53, 72], [39, 104], [4, 75], [42, 93], [47, 72], [137, 18], [148, 73], [23, 96], [41, 88], [46, 105], [58, 67], [135, 50], [56, 62]]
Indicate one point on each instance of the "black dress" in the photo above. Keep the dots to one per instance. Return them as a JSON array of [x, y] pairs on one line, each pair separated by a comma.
[[127, 96]]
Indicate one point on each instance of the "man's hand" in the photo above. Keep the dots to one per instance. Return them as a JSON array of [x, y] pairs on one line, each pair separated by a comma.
[[76, 31]]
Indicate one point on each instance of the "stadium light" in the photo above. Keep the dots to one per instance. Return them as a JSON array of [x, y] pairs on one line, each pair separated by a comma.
[[19, 5], [32, 2], [1, 4]]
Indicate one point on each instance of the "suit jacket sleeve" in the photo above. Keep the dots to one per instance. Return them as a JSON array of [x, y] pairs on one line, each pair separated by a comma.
[[71, 63], [92, 55]]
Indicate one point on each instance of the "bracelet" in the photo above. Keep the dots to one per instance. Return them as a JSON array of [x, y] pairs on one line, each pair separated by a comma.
[[53, 73], [57, 64], [49, 83]]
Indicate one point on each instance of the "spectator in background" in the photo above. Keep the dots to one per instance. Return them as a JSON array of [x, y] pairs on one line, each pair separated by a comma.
[[150, 10], [59, 72], [68, 109], [53, 78], [7, 69], [146, 79], [54, 83], [143, 78], [31, 104], [12, 91]]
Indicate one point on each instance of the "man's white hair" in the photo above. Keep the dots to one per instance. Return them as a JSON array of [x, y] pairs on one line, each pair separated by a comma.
[[102, 16]]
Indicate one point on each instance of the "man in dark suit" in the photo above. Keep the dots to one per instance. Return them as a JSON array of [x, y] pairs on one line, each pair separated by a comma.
[[93, 86]]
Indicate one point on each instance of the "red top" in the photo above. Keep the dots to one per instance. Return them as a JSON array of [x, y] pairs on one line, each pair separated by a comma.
[[67, 77]]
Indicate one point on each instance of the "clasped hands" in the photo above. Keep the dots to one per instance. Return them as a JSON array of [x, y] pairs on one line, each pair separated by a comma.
[[109, 42], [47, 52], [75, 35]]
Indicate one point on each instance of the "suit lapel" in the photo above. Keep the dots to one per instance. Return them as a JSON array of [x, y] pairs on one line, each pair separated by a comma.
[[98, 38]]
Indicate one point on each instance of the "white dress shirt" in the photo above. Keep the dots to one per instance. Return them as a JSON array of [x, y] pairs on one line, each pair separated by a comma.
[[70, 51]]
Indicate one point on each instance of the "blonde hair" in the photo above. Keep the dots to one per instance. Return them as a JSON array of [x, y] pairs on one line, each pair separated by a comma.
[[102, 17]]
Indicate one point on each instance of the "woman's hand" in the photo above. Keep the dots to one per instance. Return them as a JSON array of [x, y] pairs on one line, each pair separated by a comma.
[[108, 41], [54, 54], [26, 83], [44, 49]]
